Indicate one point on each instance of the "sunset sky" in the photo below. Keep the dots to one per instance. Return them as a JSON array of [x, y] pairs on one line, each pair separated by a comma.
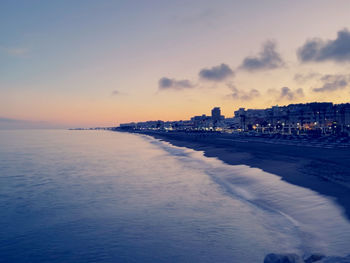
[[101, 63]]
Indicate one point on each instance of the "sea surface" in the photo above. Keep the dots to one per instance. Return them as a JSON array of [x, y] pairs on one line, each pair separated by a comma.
[[100, 196]]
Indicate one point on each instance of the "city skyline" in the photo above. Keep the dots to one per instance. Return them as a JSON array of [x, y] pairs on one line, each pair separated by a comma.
[[87, 64], [315, 119]]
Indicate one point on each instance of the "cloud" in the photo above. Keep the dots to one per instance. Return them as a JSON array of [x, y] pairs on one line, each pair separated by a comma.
[[287, 93], [173, 84], [217, 73], [303, 78], [9, 123], [239, 94], [205, 17], [318, 50], [14, 51], [252, 94], [8, 120], [333, 82], [267, 59], [115, 92]]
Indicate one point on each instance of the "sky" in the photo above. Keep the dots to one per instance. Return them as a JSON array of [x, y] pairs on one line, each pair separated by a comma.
[[101, 63]]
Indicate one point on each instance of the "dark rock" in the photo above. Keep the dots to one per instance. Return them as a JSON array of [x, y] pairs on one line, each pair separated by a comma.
[[283, 258]]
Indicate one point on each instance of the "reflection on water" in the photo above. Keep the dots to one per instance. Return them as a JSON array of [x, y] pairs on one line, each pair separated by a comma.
[[92, 196]]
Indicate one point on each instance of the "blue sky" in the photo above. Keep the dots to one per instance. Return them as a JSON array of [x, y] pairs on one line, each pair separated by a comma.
[[87, 63]]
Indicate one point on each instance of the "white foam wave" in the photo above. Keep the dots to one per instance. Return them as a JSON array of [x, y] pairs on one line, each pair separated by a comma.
[[316, 222]]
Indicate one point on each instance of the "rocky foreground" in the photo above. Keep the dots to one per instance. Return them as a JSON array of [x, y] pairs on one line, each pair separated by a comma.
[[294, 258]]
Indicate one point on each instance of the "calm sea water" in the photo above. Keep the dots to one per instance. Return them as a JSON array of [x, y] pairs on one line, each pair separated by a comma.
[[95, 196]]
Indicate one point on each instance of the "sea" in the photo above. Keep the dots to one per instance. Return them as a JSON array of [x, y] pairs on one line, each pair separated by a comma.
[[103, 196]]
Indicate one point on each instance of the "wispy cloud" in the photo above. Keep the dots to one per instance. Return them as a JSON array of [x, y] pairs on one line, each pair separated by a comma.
[[216, 73], [333, 82], [318, 50], [239, 94], [267, 59], [10, 123], [117, 93], [173, 84], [205, 17], [303, 78], [9, 120], [14, 51], [287, 93]]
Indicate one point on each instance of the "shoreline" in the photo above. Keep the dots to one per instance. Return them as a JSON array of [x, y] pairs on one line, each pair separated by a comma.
[[325, 171]]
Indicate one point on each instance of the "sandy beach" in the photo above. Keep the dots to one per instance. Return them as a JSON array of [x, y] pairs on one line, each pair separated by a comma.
[[326, 171]]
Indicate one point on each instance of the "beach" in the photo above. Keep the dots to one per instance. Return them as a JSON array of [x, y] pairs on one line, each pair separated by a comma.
[[323, 170]]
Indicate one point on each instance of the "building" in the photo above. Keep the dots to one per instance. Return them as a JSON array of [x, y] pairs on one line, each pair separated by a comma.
[[216, 114], [202, 122], [316, 118], [216, 117]]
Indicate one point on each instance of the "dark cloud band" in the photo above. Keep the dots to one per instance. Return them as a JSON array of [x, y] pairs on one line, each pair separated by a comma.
[[318, 50]]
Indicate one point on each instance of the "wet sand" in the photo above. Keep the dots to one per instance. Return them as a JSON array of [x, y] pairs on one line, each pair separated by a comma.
[[326, 171]]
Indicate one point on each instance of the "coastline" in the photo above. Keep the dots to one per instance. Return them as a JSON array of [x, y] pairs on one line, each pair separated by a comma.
[[325, 171]]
